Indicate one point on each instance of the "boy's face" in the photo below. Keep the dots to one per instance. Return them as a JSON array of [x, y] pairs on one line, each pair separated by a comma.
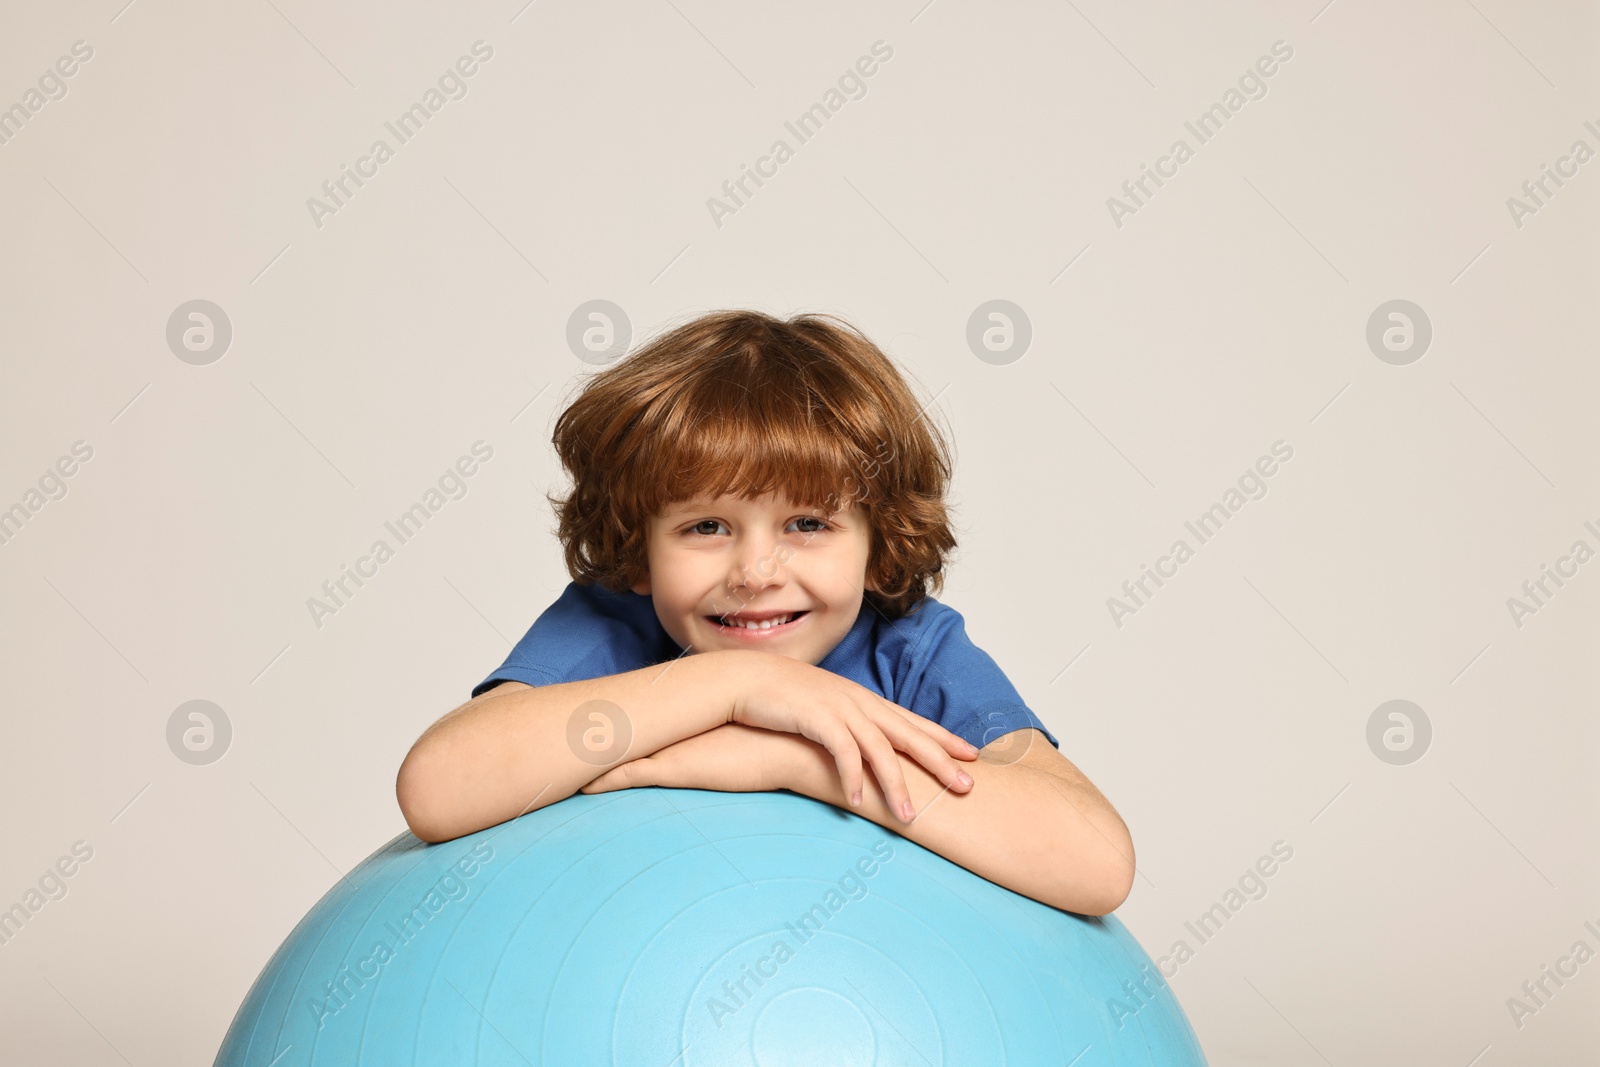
[[756, 559]]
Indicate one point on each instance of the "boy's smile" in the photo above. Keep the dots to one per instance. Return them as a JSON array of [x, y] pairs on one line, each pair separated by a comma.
[[765, 573]]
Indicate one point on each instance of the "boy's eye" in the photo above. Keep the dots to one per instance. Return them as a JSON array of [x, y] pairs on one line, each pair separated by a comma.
[[709, 527]]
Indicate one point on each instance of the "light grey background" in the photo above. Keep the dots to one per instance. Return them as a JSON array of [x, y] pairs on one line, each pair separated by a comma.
[[1168, 354]]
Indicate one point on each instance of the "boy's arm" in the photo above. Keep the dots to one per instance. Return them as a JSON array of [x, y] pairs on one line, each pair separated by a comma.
[[517, 748], [506, 753], [1031, 821]]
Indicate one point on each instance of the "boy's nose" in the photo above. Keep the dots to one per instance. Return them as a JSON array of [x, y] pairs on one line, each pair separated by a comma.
[[758, 563]]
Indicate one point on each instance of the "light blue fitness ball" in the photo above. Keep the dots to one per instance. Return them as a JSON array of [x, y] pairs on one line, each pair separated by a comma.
[[688, 928]]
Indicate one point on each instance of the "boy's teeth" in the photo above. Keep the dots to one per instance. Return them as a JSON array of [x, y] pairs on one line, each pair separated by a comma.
[[765, 624]]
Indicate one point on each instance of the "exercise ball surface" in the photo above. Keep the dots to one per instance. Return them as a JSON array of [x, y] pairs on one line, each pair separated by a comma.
[[687, 928]]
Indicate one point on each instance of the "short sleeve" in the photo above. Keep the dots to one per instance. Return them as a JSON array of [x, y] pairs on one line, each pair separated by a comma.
[[955, 683], [587, 633], [512, 671]]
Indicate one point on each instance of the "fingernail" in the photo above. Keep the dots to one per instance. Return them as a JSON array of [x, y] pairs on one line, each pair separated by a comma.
[[855, 799], [908, 811], [964, 778]]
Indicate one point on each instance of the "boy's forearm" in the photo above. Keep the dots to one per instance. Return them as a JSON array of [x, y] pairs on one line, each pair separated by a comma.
[[513, 751], [1033, 832]]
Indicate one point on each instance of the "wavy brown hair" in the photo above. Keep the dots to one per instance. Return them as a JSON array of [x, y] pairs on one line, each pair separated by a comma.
[[739, 402]]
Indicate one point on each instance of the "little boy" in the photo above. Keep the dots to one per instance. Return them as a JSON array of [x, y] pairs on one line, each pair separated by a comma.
[[756, 519]]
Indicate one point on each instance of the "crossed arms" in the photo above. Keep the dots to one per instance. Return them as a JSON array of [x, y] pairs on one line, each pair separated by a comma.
[[1016, 812]]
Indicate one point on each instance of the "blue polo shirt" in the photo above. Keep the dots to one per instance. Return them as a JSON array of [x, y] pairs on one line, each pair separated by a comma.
[[924, 661]]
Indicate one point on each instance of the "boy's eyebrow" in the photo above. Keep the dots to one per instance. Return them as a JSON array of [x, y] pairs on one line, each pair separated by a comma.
[[689, 507]]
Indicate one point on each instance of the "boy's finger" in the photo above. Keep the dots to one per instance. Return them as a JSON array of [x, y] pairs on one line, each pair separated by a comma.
[[927, 749], [886, 765], [935, 754], [957, 746], [848, 759], [940, 764]]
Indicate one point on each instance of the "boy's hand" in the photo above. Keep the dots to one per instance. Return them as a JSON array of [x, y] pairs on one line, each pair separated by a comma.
[[853, 723], [729, 759]]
